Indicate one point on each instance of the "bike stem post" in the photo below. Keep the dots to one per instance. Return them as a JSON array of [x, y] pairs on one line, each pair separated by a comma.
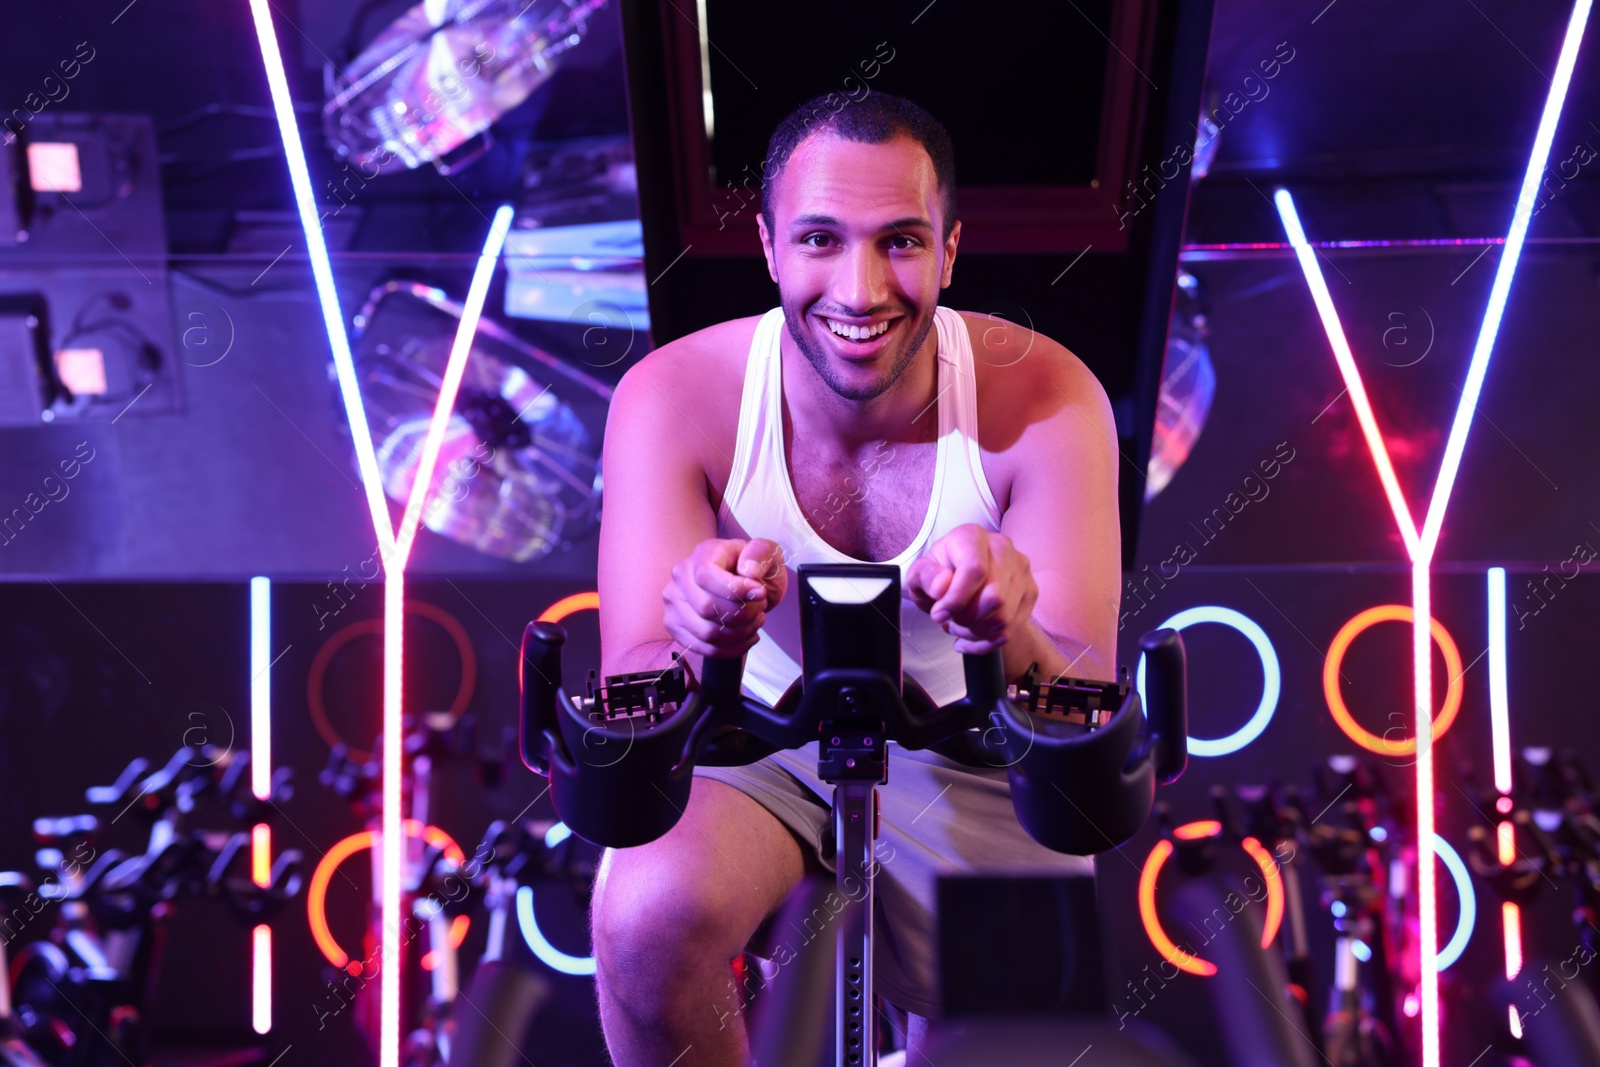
[[853, 758]]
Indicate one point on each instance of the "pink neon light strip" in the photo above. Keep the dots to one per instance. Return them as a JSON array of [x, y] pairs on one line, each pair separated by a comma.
[[1507, 267], [1351, 374], [261, 787], [1280, 246], [1421, 546], [1499, 697], [393, 839], [1427, 887], [455, 366], [261, 974]]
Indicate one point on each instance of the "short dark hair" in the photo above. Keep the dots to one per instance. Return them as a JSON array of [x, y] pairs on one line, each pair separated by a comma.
[[872, 119]]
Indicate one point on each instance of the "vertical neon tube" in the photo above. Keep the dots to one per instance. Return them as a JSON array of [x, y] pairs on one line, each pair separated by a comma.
[[1427, 889], [1511, 917], [261, 787], [261, 687], [1499, 705], [1500, 731], [392, 838], [261, 854], [261, 1000], [1511, 920]]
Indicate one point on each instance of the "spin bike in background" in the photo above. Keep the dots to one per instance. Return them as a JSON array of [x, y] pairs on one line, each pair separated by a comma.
[[620, 762], [1554, 840], [81, 994], [434, 882]]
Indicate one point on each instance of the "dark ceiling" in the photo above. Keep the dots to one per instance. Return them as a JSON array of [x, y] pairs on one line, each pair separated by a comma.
[[1393, 120]]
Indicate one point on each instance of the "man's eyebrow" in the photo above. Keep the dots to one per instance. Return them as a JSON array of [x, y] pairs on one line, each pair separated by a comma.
[[908, 223]]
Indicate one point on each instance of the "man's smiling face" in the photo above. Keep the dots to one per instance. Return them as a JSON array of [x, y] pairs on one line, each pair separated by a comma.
[[858, 254]]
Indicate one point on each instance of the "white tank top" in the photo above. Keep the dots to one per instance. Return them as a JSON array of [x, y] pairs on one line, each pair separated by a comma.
[[760, 502]]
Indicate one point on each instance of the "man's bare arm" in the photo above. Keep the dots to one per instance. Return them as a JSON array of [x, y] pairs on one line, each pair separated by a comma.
[[1063, 516], [656, 511]]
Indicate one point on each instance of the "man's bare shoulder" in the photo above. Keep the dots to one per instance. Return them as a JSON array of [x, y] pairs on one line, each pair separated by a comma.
[[708, 357], [1022, 363], [1030, 389], [695, 381]]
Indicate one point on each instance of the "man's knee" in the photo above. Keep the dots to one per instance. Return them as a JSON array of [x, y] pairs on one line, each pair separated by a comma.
[[647, 912], [685, 905]]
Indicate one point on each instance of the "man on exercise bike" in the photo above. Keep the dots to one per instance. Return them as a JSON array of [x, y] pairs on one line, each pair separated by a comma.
[[858, 422]]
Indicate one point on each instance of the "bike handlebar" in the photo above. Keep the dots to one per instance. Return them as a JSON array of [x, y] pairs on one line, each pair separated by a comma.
[[621, 779]]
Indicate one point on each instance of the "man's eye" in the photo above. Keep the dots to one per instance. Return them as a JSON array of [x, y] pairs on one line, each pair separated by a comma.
[[902, 242], [816, 240]]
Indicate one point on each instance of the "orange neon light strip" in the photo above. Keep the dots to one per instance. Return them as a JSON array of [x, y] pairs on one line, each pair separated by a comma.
[[1511, 919], [1150, 917], [317, 890], [1275, 900], [1194, 831], [567, 605], [261, 854]]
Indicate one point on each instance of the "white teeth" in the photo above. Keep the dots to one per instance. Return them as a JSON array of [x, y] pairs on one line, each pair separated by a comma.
[[857, 333]]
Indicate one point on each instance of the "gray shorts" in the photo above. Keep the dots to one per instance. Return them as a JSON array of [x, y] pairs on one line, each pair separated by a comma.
[[938, 817]]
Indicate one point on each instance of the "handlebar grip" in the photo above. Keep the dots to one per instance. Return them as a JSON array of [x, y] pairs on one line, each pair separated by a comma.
[[721, 676], [1167, 706], [540, 680], [986, 678]]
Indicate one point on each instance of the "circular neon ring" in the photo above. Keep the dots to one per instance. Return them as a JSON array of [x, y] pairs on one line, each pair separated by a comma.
[[1468, 917], [551, 956], [317, 889], [569, 605], [1341, 713], [339, 638], [1151, 872], [1272, 682]]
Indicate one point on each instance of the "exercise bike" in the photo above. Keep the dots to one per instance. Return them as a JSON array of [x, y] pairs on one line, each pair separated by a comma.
[[81, 994], [1082, 771]]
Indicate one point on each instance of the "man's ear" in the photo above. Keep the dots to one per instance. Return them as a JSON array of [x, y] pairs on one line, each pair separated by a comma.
[[766, 247], [950, 254]]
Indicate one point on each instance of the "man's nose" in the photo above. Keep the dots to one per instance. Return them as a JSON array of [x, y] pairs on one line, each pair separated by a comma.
[[862, 282]]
